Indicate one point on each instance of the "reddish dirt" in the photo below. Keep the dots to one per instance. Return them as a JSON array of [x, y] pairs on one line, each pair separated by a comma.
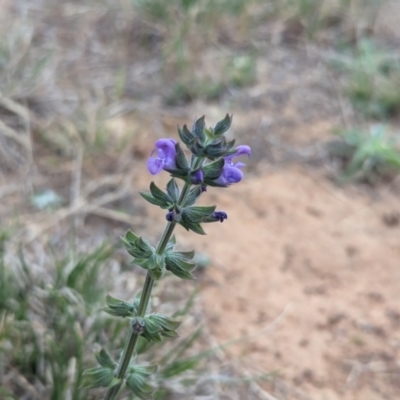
[[308, 274]]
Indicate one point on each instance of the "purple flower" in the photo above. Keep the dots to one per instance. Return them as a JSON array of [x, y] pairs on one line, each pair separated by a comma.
[[197, 177], [231, 172], [165, 156], [170, 216], [220, 215]]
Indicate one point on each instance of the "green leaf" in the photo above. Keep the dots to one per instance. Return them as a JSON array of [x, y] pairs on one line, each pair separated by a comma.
[[173, 190], [197, 214], [179, 272], [172, 260], [223, 126], [181, 160], [118, 308], [191, 198], [152, 337], [156, 261], [197, 149], [151, 325], [202, 210], [198, 129], [214, 169], [186, 255], [171, 244], [131, 237], [166, 322], [157, 273], [158, 194], [99, 377], [186, 136], [145, 246], [170, 334], [193, 226], [104, 359], [148, 197], [140, 386]]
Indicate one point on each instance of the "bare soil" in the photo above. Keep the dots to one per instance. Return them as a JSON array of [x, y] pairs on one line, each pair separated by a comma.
[[308, 274]]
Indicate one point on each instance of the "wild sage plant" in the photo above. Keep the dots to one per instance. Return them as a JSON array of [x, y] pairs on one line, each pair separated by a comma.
[[211, 164]]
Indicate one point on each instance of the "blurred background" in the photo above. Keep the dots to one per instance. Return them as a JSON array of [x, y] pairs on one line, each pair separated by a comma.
[[297, 294]]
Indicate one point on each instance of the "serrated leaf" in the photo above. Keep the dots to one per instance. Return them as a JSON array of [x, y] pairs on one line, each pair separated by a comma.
[[104, 359], [173, 190], [223, 126]]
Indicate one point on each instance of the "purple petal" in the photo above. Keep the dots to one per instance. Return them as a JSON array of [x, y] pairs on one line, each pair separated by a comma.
[[154, 165], [230, 174], [166, 152], [240, 150], [197, 177]]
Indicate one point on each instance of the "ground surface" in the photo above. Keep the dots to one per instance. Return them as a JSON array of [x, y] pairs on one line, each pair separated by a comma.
[[313, 285]]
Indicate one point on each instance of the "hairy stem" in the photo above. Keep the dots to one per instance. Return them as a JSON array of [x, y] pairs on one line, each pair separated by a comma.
[[132, 338]]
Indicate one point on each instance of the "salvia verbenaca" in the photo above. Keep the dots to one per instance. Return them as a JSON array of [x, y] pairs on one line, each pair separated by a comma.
[[210, 163]]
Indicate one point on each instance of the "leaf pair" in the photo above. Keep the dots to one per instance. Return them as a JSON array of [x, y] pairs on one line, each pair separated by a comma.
[[102, 376], [120, 308], [178, 262], [138, 381], [144, 255], [157, 326]]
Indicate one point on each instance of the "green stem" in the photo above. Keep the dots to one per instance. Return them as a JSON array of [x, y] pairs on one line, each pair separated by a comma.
[[132, 338]]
